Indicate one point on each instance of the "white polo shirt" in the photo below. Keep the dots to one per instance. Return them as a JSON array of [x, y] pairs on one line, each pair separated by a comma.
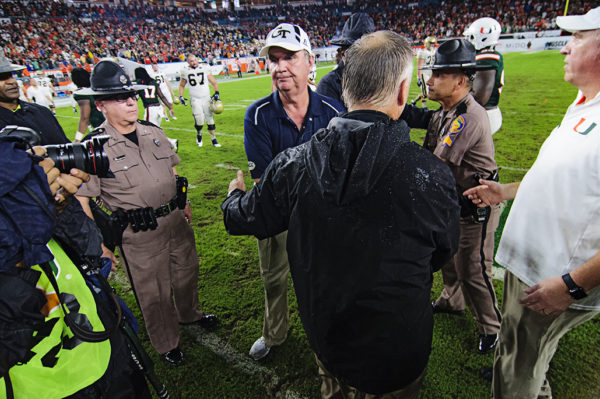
[[554, 224]]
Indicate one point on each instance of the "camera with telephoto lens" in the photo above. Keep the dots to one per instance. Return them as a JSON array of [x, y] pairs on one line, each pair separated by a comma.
[[88, 156]]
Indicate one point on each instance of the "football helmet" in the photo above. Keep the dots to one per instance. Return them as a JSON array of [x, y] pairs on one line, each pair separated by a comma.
[[483, 33], [216, 106], [429, 42]]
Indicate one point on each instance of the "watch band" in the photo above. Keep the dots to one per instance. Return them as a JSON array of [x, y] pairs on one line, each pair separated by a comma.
[[574, 290]]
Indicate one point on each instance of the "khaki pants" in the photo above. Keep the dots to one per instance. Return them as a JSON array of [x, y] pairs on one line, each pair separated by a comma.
[[468, 276], [332, 388], [274, 270], [527, 343], [164, 268]]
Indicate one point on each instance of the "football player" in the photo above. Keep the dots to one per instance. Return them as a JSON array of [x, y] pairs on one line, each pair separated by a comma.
[[425, 57], [198, 76], [484, 34], [166, 88], [153, 111]]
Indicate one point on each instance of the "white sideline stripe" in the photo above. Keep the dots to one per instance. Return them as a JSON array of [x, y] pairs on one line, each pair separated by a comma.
[[222, 165], [239, 361]]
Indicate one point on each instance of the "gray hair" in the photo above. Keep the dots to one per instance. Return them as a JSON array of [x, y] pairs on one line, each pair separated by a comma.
[[375, 66]]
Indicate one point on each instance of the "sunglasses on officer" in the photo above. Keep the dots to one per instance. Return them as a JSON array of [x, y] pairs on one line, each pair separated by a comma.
[[120, 98]]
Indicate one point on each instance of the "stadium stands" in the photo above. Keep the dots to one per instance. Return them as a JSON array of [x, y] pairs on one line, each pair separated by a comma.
[[57, 35]]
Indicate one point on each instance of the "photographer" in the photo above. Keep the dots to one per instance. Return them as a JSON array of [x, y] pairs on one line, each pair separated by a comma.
[[158, 243], [459, 134], [45, 351]]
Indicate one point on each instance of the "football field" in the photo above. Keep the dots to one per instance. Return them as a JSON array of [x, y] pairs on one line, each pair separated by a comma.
[[216, 365]]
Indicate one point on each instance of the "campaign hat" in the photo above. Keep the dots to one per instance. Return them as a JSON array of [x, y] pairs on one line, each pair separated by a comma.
[[109, 78], [456, 53], [6, 65]]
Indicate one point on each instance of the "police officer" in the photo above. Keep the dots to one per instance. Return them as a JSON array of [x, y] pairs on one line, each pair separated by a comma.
[[158, 242], [459, 134]]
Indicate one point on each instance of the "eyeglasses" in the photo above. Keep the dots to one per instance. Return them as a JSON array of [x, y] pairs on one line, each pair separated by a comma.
[[122, 97]]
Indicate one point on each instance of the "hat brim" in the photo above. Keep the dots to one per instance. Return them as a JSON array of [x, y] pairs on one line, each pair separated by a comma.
[[341, 42], [88, 91], [574, 23], [459, 66], [288, 46], [11, 68]]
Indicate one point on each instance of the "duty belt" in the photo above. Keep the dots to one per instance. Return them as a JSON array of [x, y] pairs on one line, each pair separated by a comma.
[[165, 209], [144, 218]]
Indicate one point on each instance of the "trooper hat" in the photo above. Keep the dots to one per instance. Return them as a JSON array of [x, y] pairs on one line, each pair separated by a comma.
[[456, 53], [288, 36], [573, 23], [5, 64], [356, 26], [109, 78]]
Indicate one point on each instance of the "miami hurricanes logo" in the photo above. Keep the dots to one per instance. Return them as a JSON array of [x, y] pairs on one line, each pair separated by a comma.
[[580, 127], [458, 126]]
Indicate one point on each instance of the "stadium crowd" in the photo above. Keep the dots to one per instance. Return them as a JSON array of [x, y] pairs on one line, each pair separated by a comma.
[[46, 35]]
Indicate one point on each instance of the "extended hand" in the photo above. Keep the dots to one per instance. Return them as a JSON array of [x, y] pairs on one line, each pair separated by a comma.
[[238, 182], [488, 193]]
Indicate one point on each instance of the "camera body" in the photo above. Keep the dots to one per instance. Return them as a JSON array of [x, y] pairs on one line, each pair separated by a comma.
[[88, 156]]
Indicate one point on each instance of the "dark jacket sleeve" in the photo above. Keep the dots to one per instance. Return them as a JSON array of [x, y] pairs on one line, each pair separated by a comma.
[[416, 118]]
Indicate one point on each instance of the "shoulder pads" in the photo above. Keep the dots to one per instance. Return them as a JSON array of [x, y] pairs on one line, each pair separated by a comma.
[[461, 109]]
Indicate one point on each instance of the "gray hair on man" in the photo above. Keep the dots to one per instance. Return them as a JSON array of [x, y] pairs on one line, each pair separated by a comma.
[[375, 66]]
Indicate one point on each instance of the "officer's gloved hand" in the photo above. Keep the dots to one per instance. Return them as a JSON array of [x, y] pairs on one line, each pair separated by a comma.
[[182, 100], [215, 96], [419, 82]]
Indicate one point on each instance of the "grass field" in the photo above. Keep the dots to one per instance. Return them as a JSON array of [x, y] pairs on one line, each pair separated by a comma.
[[216, 364]]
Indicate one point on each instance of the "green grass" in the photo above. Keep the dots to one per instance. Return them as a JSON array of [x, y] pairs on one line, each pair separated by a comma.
[[533, 102]]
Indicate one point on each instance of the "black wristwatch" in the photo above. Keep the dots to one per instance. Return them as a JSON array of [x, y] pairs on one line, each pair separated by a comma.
[[574, 290]]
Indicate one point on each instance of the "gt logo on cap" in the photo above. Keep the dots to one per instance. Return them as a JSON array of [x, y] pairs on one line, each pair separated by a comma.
[[281, 32]]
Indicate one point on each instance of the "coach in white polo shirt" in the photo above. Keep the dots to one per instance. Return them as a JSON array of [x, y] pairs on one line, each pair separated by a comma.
[[551, 242]]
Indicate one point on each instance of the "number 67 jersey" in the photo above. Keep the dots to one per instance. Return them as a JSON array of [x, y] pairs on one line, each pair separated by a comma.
[[197, 80]]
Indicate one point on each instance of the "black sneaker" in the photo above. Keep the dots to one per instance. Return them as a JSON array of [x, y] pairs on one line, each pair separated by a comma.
[[174, 357], [487, 343]]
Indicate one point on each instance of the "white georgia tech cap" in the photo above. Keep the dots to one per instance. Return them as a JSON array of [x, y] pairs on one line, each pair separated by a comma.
[[288, 36]]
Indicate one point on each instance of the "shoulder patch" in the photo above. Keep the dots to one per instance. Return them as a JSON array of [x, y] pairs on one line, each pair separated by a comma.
[[251, 165], [458, 125]]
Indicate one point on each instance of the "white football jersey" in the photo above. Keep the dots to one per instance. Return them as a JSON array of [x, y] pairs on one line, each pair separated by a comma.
[[428, 56], [160, 79], [197, 80]]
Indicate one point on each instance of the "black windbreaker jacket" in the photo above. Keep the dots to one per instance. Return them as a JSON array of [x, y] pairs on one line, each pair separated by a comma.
[[370, 216]]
